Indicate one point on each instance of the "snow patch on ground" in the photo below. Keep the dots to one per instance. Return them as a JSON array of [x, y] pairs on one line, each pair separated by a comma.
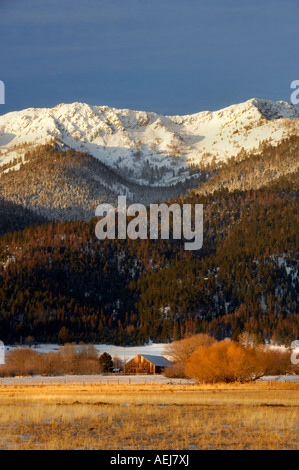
[[91, 379], [122, 352]]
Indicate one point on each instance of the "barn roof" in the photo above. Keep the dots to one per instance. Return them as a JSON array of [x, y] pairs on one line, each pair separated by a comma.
[[158, 361]]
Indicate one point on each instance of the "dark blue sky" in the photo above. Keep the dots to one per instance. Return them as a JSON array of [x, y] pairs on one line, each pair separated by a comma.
[[168, 56]]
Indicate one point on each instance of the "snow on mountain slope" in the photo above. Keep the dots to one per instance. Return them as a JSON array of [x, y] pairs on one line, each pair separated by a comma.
[[137, 142]]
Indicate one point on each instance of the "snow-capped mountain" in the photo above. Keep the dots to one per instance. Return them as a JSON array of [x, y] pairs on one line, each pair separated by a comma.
[[137, 142]]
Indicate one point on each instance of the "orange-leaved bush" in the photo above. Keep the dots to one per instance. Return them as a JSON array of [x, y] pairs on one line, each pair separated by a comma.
[[180, 351], [229, 361]]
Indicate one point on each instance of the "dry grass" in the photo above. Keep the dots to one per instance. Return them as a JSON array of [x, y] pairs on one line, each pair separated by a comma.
[[155, 417]]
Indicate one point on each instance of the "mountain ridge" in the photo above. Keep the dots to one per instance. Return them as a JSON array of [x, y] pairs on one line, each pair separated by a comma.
[[132, 142]]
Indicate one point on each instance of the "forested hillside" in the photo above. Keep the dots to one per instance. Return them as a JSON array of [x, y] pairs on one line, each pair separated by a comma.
[[69, 185], [53, 185], [252, 170], [59, 283]]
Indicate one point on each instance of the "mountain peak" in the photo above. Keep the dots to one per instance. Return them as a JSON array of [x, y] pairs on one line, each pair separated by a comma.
[[275, 110]]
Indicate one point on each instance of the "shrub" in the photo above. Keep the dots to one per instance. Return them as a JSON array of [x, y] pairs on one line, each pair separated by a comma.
[[69, 359], [181, 350], [176, 371], [24, 362], [229, 361]]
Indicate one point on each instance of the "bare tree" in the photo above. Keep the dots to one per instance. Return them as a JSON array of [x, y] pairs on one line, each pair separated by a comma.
[[181, 350]]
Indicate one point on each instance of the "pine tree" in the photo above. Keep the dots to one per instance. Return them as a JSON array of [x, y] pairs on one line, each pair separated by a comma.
[[106, 362]]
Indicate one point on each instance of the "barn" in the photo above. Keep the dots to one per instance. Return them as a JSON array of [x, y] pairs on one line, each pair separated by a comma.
[[146, 364]]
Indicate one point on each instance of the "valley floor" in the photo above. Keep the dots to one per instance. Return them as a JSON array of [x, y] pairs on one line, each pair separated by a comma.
[[148, 416]]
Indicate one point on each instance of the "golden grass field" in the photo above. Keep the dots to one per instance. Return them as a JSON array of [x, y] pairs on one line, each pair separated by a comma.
[[149, 416]]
